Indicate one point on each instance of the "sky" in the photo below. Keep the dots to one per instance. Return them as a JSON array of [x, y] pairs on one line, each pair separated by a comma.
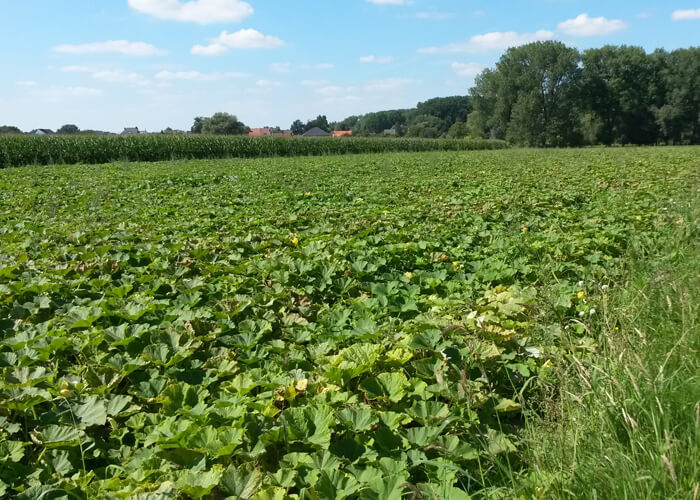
[[153, 64]]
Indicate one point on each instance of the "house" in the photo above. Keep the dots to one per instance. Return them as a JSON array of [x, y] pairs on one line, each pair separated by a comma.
[[390, 131], [342, 133], [316, 132], [41, 131], [260, 132], [131, 131], [283, 133]]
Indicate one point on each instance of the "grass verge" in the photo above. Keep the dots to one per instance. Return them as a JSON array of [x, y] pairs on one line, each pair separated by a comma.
[[627, 418]]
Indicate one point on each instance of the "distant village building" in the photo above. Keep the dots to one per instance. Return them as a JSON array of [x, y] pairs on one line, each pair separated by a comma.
[[316, 132], [283, 133], [342, 133], [260, 132], [41, 131], [131, 131], [390, 131]]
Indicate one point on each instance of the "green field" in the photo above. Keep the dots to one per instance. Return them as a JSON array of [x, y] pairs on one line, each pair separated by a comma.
[[373, 326]]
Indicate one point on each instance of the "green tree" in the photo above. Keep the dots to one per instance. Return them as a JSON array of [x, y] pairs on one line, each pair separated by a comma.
[[198, 125], [458, 130], [618, 89], [224, 124], [530, 98], [448, 109], [426, 126], [678, 115], [9, 129], [297, 127], [68, 130]]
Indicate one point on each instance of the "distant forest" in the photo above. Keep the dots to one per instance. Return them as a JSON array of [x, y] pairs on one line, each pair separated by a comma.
[[547, 94]]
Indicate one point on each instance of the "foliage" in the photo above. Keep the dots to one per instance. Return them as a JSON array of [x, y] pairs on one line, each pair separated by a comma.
[[336, 327], [16, 151], [223, 124], [8, 129], [68, 129], [547, 94]]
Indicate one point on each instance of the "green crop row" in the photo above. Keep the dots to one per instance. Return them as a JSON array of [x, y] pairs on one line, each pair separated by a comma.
[[17, 151]]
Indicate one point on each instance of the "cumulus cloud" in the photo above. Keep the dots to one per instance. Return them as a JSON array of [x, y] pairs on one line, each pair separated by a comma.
[[467, 69], [242, 39], [196, 11], [489, 42], [583, 25], [685, 15], [123, 47], [376, 59]]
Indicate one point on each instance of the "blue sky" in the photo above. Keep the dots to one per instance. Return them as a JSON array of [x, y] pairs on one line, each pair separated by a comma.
[[108, 64]]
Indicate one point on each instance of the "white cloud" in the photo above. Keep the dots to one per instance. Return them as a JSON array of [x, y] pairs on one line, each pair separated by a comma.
[[489, 42], [26, 83], [77, 69], [644, 15], [242, 39], [113, 46], [388, 84], [196, 76], [280, 67], [196, 11], [387, 2], [583, 25], [376, 59], [467, 69], [314, 83], [685, 15]]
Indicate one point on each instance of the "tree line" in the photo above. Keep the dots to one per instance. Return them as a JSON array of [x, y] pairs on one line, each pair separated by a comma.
[[548, 94]]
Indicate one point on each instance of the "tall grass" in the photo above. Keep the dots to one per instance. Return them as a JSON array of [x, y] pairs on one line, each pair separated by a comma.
[[16, 151], [627, 421]]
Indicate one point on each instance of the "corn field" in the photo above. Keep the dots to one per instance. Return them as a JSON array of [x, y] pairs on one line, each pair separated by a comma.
[[16, 151]]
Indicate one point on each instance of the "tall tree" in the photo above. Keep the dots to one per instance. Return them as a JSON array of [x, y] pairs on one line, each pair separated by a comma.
[[198, 124], [297, 127], [530, 98], [678, 115], [68, 130], [224, 124], [617, 89], [9, 129]]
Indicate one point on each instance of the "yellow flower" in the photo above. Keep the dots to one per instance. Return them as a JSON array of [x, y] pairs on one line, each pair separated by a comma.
[[525, 230], [581, 294], [409, 275], [456, 265], [307, 194], [639, 217], [295, 241]]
